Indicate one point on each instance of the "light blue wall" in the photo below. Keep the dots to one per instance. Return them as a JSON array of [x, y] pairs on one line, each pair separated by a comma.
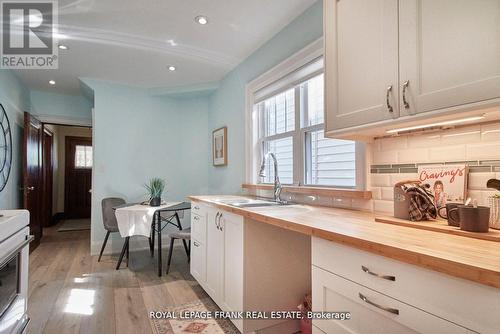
[[70, 108], [14, 97], [138, 136], [227, 105]]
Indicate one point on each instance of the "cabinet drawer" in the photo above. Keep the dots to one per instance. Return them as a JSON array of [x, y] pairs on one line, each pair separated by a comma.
[[436, 293], [371, 312], [198, 208], [199, 227]]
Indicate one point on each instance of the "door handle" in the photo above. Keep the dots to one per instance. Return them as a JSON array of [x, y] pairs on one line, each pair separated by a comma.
[[217, 220], [387, 277], [221, 223], [383, 308], [405, 86], [389, 107], [196, 244], [27, 189]]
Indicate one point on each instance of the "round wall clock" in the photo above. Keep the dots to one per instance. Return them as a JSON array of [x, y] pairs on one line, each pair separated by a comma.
[[5, 148]]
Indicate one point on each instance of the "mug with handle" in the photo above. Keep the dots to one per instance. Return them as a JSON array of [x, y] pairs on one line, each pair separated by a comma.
[[470, 218], [452, 220]]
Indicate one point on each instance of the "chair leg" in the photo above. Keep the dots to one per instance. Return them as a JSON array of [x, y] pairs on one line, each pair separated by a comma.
[[124, 249], [128, 251], [103, 245], [186, 248], [170, 251], [152, 242]]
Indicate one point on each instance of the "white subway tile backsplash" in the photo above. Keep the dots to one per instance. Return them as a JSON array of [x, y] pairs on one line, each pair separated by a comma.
[[388, 193], [393, 143], [429, 140], [483, 151], [466, 135], [490, 132], [382, 206], [384, 157], [381, 180], [413, 155], [477, 181], [376, 192], [447, 153], [395, 178], [471, 143]]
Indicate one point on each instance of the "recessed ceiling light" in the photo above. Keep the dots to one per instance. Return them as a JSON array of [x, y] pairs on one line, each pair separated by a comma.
[[200, 19], [52, 82], [63, 47], [171, 68]]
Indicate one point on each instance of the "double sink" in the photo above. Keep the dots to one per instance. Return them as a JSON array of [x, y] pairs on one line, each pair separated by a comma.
[[252, 203]]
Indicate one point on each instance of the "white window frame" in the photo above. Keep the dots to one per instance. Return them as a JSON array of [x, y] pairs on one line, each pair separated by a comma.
[[253, 143]]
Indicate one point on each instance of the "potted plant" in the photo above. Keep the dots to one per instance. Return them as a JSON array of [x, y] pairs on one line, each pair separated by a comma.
[[155, 189]]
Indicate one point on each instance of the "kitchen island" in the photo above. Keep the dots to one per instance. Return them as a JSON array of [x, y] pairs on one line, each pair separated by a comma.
[[433, 273]]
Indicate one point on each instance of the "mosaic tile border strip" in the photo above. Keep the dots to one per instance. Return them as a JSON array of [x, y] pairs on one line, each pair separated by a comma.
[[475, 166]]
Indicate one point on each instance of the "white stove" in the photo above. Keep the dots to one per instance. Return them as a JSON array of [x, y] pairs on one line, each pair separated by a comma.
[[14, 253]]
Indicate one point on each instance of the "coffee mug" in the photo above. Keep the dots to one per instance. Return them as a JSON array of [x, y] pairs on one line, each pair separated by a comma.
[[451, 221], [470, 218]]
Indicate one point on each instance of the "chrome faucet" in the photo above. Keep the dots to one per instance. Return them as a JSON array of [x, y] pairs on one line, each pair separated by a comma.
[[277, 183]]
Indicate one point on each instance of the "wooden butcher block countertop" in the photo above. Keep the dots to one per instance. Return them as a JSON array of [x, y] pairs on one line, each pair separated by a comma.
[[472, 259]]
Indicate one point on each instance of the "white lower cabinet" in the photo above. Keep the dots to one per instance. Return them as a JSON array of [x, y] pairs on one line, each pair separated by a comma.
[[221, 258], [215, 257], [427, 301], [371, 312]]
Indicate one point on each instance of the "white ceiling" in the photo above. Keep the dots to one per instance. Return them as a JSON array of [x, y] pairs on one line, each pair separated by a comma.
[[133, 42]]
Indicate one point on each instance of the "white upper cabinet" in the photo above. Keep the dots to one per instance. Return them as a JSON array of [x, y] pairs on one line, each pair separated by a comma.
[[449, 53], [361, 52], [442, 58]]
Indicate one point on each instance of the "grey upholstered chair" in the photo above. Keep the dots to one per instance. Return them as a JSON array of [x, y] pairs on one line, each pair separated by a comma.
[[185, 236], [109, 218]]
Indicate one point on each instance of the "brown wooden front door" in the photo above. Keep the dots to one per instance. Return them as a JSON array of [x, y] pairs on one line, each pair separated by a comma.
[[78, 177], [32, 175]]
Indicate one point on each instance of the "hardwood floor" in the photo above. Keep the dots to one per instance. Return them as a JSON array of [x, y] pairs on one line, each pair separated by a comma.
[[70, 292]]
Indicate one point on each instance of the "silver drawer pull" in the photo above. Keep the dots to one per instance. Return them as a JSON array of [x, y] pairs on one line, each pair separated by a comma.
[[387, 277], [196, 218], [387, 309], [196, 208], [196, 244]]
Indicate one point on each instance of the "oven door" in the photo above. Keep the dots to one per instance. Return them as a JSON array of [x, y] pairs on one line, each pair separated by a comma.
[[14, 254]]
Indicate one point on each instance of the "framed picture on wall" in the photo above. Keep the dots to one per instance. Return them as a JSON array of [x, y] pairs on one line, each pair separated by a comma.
[[219, 146]]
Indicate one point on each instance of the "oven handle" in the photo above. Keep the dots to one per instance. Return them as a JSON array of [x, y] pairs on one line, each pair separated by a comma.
[[13, 253]]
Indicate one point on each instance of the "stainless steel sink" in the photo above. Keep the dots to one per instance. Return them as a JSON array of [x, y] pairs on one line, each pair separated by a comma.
[[252, 203]]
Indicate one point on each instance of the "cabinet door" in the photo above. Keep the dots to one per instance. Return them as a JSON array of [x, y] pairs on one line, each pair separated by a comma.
[[233, 261], [198, 262], [232, 226], [449, 53], [371, 312], [361, 61], [215, 252]]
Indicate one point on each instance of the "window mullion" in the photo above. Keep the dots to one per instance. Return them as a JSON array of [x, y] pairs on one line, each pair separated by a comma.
[[298, 145]]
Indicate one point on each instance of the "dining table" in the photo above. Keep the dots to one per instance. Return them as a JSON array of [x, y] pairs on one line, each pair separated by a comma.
[[140, 219]]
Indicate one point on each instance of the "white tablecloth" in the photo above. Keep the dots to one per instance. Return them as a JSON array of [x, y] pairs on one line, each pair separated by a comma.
[[136, 219]]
